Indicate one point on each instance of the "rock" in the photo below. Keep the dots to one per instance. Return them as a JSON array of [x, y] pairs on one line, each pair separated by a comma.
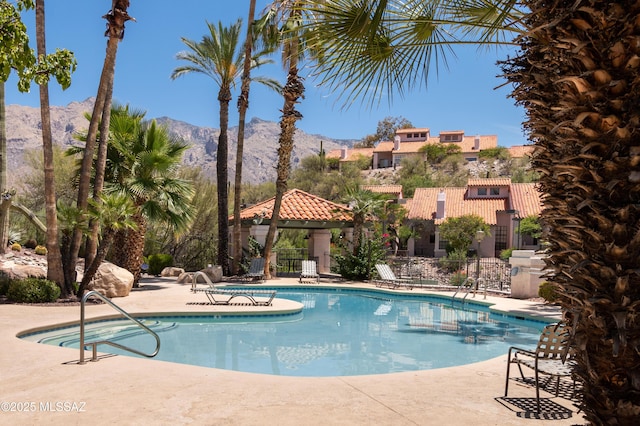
[[171, 271], [185, 278], [213, 272], [112, 281], [25, 271]]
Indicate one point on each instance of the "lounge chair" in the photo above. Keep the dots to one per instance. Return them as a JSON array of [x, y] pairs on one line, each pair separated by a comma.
[[551, 357], [222, 296], [256, 270], [388, 278], [309, 271]]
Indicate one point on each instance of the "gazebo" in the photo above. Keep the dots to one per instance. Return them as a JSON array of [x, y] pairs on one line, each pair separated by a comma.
[[299, 210]]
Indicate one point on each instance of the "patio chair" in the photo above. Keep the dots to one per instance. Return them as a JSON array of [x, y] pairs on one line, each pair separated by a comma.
[[256, 270], [388, 278], [309, 271], [550, 357]]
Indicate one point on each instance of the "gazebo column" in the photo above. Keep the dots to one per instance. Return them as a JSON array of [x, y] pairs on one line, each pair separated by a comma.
[[259, 232], [319, 245]]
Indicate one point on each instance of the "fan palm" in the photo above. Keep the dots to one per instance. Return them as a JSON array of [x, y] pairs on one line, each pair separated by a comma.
[[143, 168], [576, 76], [219, 57]]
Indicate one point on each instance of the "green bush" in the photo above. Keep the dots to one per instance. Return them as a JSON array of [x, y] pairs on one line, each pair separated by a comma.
[[157, 262], [33, 290], [359, 267], [4, 283], [506, 254], [458, 279], [453, 261], [548, 292]]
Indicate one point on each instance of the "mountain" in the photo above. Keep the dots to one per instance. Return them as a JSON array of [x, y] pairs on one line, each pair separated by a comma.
[[260, 146]]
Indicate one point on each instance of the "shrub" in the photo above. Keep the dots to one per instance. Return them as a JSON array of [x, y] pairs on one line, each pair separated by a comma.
[[33, 290], [506, 254], [458, 279], [157, 262], [16, 247], [359, 267], [4, 283], [548, 292], [31, 244], [454, 261], [41, 250]]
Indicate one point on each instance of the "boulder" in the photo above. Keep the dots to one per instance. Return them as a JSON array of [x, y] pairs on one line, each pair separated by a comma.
[[112, 281], [214, 272], [25, 271], [171, 271], [185, 278]]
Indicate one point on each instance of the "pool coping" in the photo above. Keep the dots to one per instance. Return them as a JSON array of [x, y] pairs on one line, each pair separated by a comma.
[[165, 393]]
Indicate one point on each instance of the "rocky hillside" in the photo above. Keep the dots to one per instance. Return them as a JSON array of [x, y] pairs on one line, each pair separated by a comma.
[[260, 149]]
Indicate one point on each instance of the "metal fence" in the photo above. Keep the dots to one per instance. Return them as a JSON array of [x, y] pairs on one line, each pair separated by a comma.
[[289, 261], [492, 272]]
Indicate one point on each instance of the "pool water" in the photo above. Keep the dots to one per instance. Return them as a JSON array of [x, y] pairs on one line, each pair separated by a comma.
[[338, 333]]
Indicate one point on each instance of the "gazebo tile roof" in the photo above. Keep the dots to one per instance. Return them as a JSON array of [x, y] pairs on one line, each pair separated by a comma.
[[300, 205]]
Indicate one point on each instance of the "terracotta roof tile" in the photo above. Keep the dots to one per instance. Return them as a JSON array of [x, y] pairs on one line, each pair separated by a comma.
[[519, 151], [384, 146], [300, 205], [526, 198], [489, 182], [384, 189], [414, 130]]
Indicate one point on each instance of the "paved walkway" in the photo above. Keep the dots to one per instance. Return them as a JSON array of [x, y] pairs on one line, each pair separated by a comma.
[[47, 385]]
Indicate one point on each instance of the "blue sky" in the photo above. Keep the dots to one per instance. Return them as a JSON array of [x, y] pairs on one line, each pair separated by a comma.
[[460, 98]]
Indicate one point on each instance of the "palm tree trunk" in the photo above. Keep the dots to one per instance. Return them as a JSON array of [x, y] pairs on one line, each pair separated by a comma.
[[578, 80], [116, 19], [292, 91], [91, 245], [135, 247], [54, 257], [224, 97], [243, 105], [5, 200]]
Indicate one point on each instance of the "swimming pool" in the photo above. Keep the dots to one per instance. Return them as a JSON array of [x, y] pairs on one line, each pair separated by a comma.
[[338, 333]]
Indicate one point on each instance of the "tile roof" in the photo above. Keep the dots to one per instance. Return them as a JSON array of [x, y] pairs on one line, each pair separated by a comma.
[[300, 205], [413, 130], [384, 146], [424, 205], [519, 151], [352, 153], [489, 182], [526, 198], [384, 189]]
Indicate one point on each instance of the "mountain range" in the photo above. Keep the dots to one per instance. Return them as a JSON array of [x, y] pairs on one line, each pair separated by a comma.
[[260, 157]]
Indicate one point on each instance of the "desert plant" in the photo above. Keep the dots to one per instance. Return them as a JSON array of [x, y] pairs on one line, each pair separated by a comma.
[[548, 292], [458, 279], [506, 253], [41, 250], [157, 262], [16, 247], [5, 280], [359, 265], [30, 243], [453, 261], [33, 290]]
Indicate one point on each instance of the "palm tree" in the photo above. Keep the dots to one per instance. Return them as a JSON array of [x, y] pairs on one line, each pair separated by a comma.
[[285, 13], [365, 206], [116, 19], [218, 56], [143, 169], [243, 106], [576, 76], [113, 213]]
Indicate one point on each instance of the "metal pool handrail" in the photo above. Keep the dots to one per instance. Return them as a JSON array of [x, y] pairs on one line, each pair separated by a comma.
[[107, 342]]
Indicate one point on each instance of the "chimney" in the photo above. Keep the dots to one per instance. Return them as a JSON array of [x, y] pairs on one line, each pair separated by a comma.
[[396, 143], [343, 152], [440, 211], [476, 143]]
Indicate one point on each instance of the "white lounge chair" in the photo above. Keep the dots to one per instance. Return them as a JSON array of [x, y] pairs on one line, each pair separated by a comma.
[[309, 271], [388, 278]]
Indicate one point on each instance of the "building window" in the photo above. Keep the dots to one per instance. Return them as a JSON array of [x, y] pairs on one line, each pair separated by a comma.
[[442, 243], [482, 191], [501, 238], [423, 134], [495, 191]]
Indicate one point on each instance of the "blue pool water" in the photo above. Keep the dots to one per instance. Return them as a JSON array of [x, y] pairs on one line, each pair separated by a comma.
[[338, 333]]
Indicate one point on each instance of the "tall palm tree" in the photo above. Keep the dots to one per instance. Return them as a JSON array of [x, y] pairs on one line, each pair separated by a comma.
[[576, 76], [286, 15], [219, 57], [116, 19], [365, 206], [243, 106]]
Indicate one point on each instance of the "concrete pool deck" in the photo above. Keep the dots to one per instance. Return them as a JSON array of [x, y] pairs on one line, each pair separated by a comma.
[[42, 384]]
